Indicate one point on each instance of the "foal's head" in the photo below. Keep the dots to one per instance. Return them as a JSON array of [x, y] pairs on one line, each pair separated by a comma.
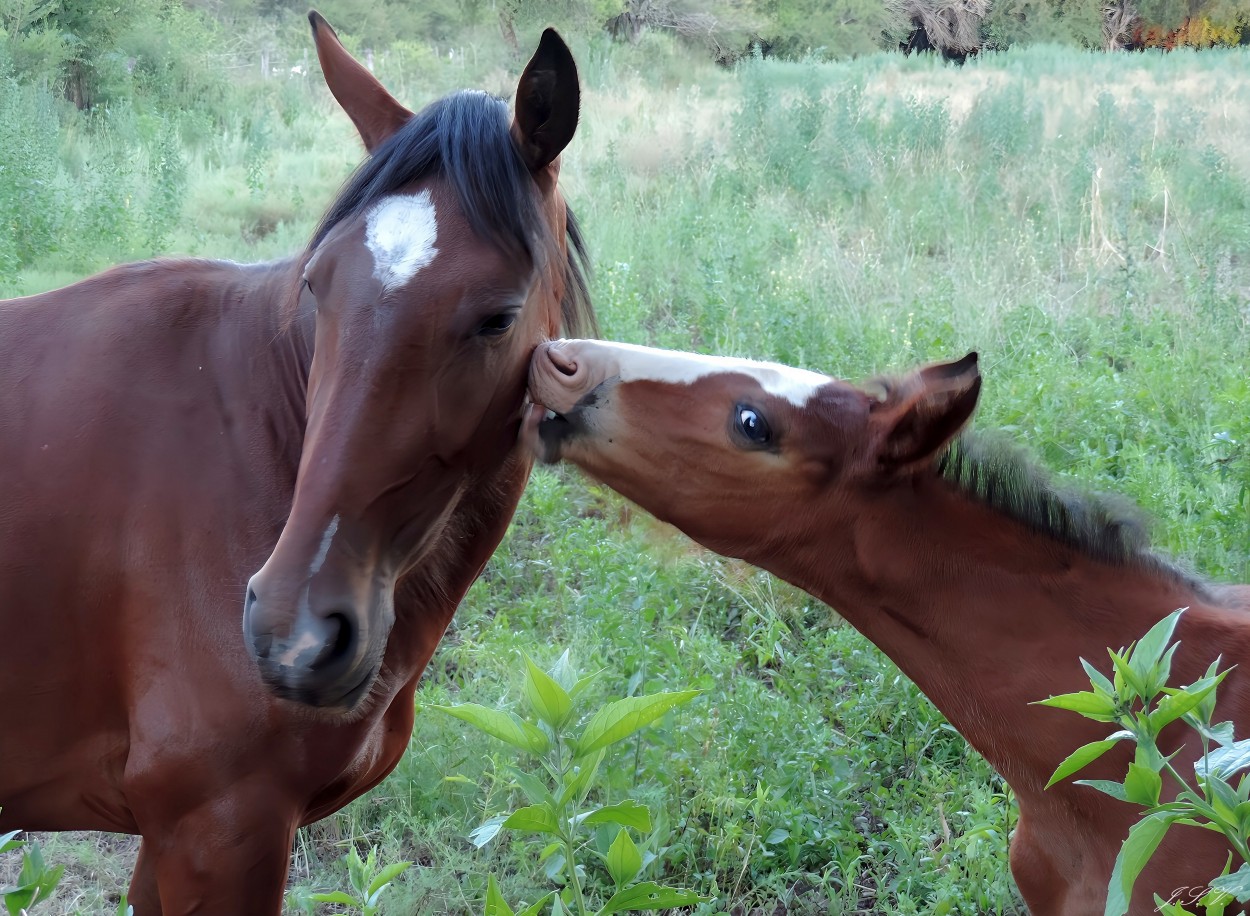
[[735, 452], [440, 267]]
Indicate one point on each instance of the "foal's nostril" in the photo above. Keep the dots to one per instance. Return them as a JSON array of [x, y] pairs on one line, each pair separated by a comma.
[[250, 601], [339, 641], [564, 363]]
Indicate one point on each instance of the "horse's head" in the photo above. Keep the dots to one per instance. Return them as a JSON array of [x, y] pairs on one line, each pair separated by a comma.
[[737, 453], [443, 263]]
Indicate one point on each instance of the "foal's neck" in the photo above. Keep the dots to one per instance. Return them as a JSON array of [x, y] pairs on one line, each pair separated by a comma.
[[984, 614]]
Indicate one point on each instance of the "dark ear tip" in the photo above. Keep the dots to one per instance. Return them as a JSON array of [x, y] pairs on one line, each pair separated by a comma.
[[552, 43], [316, 20]]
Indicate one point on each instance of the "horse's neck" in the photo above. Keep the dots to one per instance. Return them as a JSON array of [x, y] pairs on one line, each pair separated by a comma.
[[985, 615], [266, 337], [428, 595]]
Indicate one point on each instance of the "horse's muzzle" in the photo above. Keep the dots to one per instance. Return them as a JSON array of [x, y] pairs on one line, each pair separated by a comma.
[[316, 659]]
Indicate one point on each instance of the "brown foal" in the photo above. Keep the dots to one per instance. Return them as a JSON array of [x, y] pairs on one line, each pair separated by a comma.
[[980, 579]]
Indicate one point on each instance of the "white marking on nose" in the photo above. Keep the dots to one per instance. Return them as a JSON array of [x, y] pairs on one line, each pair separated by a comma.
[[305, 642], [400, 232], [635, 363], [324, 549]]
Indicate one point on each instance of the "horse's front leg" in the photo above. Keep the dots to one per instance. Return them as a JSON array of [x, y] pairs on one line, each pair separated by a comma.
[[144, 895], [228, 856]]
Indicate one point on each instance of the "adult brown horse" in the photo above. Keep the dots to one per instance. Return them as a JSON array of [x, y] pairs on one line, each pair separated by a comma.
[[982, 581], [164, 425]]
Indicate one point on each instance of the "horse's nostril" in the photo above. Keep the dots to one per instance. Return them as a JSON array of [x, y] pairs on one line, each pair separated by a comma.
[[339, 643], [261, 646], [565, 364], [250, 602]]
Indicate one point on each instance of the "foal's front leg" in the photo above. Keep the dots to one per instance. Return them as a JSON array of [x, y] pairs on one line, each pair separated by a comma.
[[226, 857]]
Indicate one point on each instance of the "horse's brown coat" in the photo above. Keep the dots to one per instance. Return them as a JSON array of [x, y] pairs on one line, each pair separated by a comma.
[[985, 608], [153, 437]]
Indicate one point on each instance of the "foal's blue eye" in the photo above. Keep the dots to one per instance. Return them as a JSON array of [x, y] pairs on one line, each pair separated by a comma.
[[497, 324], [751, 423]]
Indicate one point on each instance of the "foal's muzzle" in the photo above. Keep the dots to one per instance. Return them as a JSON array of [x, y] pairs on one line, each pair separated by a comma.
[[318, 658]]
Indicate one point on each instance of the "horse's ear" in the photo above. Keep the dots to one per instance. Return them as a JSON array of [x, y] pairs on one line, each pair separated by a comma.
[[925, 412], [547, 100], [373, 110]]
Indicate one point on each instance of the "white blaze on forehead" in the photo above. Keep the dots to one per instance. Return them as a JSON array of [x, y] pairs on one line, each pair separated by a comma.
[[634, 363], [400, 232]]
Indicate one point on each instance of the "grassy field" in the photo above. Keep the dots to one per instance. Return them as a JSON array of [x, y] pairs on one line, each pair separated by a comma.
[[1081, 220]]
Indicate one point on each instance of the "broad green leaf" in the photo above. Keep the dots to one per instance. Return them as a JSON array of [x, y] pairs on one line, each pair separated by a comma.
[[627, 813], [554, 868], [534, 818], [1223, 798], [582, 683], [1142, 785], [1164, 908], [1085, 755], [502, 725], [1214, 903], [533, 788], [1221, 734], [7, 841], [548, 699], [487, 831], [1097, 679], [1148, 655], [649, 896], [1207, 709], [1236, 885], [578, 786], [620, 719], [386, 876], [1106, 786], [1225, 761], [1179, 702], [536, 907], [623, 859], [1143, 839], [1129, 686], [334, 897], [495, 904], [1087, 703], [562, 671], [777, 835], [1241, 816], [1147, 753], [1162, 671]]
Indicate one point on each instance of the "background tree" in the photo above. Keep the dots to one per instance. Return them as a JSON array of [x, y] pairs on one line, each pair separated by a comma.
[[1012, 22]]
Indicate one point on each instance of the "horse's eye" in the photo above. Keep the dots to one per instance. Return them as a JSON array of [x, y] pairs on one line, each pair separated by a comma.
[[751, 423], [497, 324]]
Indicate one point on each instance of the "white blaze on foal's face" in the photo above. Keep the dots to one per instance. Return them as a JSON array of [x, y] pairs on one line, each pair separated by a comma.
[[634, 363], [400, 232]]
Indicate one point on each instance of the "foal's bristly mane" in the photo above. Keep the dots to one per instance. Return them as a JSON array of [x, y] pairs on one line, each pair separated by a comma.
[[1002, 476], [464, 139]]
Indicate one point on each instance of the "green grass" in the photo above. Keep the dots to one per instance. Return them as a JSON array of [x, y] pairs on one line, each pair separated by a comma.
[[1081, 220]]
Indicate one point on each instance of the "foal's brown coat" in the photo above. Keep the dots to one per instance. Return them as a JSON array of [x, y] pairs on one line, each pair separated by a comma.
[[982, 599], [154, 434]]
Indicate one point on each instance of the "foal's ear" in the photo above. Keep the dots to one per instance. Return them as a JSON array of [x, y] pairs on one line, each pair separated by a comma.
[[926, 412], [547, 99], [373, 110]]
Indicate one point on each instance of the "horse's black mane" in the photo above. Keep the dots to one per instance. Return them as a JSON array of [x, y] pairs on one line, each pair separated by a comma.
[[1002, 476], [464, 139]]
